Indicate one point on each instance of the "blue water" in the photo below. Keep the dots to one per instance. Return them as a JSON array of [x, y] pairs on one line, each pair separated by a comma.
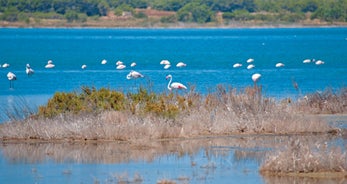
[[208, 53]]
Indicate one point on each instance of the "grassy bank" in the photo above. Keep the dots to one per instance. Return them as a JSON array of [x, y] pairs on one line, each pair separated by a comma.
[[104, 114]]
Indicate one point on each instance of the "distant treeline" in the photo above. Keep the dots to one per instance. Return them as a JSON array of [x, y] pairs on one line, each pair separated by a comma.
[[200, 11]]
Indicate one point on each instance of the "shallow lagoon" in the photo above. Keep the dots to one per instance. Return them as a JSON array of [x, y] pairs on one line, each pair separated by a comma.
[[199, 160]]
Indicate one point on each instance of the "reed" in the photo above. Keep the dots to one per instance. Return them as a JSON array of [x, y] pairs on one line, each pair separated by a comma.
[[298, 158], [326, 102], [105, 114]]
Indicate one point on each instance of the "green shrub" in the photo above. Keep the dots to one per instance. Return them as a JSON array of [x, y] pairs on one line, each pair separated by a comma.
[[90, 100]]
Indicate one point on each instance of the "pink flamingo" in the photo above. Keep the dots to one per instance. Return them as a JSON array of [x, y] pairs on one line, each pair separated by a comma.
[[174, 85]]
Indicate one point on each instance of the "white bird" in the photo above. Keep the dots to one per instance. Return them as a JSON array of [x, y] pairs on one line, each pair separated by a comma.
[[133, 64], [237, 65], [6, 65], [11, 77], [251, 66], [250, 60], [119, 63], [134, 75], [181, 64], [120, 67], [319, 62], [49, 64], [28, 70], [165, 62], [255, 78], [104, 61], [174, 85], [84, 67], [306, 61], [279, 65], [167, 67]]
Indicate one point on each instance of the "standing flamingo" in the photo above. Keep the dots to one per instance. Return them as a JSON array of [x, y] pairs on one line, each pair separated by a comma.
[[28, 70], [174, 85], [11, 77]]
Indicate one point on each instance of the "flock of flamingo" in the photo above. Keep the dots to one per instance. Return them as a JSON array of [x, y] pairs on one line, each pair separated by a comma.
[[134, 74], [119, 65]]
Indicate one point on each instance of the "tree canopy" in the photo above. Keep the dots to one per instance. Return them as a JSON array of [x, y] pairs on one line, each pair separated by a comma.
[[200, 11]]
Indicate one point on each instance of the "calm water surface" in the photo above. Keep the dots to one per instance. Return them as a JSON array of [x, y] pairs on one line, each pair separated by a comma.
[[209, 54], [206, 160]]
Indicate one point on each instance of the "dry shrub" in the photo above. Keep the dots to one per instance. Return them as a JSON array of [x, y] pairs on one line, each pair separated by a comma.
[[301, 158], [326, 102]]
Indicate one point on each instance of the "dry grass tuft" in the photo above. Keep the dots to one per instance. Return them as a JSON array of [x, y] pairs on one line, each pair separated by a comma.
[[299, 158]]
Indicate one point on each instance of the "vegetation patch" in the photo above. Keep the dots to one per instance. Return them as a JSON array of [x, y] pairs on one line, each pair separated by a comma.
[[105, 114], [298, 159]]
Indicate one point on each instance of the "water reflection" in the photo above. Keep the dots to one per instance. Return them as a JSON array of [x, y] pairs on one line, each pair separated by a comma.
[[199, 160], [302, 180]]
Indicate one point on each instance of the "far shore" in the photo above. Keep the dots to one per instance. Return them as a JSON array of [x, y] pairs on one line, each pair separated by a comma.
[[154, 24]]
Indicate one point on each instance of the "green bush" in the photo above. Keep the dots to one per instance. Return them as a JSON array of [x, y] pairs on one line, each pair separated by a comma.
[[91, 100]]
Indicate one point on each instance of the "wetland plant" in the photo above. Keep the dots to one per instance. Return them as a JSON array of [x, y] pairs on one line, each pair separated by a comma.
[[298, 158], [95, 114]]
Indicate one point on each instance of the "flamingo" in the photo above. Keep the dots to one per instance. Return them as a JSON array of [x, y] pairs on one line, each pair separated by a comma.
[[49, 64], [319, 62], [133, 64], [279, 65], [6, 65], [84, 67], [307, 61], [255, 78], [174, 85], [119, 63], [134, 75], [11, 77], [251, 66], [250, 60], [28, 70], [237, 65], [104, 61], [181, 64], [167, 67], [120, 67], [165, 62]]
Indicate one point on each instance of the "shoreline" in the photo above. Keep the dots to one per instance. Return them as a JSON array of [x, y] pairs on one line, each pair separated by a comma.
[[94, 24]]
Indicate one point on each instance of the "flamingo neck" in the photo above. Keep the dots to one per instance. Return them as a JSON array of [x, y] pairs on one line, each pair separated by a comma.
[[168, 85]]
